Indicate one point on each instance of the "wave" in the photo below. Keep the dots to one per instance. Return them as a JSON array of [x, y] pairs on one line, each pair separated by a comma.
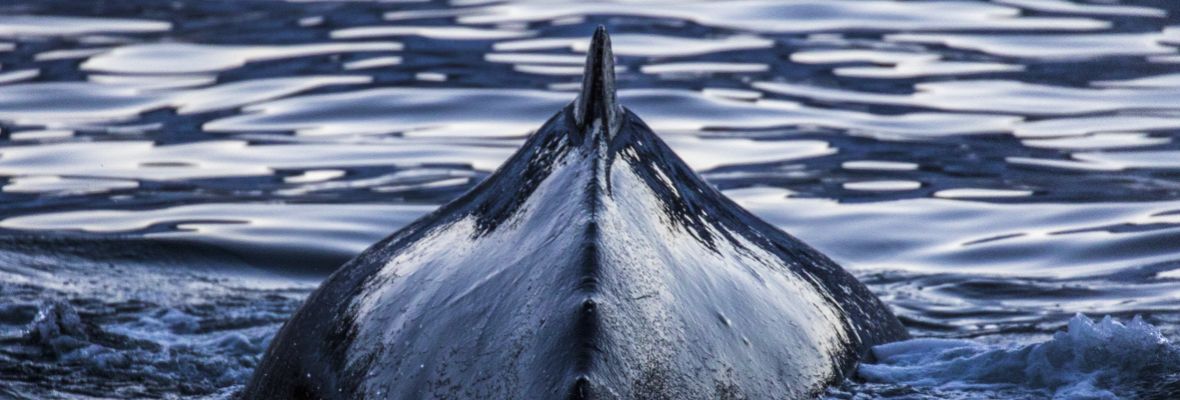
[[164, 352], [1106, 359]]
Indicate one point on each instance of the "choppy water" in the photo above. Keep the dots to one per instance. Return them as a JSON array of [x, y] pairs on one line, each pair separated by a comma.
[[176, 176]]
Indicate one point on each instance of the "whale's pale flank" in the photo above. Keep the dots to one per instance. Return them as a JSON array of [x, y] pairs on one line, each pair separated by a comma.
[[593, 264]]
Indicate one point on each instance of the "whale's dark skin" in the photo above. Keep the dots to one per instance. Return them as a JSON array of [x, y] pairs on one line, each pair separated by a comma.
[[593, 264]]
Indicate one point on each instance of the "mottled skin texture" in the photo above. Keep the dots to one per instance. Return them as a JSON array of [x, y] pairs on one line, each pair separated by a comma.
[[593, 264]]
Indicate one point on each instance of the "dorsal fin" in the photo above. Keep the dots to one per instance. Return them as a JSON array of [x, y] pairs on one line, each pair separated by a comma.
[[597, 101]]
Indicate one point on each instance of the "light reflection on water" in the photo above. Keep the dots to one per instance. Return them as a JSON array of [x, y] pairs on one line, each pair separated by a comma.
[[989, 168]]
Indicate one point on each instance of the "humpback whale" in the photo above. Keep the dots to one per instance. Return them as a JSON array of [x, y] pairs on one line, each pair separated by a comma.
[[593, 264]]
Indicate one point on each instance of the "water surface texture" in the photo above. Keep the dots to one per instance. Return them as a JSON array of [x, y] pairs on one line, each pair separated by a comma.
[[176, 176]]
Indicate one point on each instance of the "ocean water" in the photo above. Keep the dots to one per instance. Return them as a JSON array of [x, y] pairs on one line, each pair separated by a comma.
[[176, 176]]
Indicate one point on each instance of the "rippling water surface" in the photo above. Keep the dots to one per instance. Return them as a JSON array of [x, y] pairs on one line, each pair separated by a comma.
[[176, 176]]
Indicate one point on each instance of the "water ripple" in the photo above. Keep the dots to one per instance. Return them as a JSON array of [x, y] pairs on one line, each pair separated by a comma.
[[989, 168]]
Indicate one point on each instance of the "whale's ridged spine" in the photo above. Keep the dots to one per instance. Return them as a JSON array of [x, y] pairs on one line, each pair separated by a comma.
[[596, 114]]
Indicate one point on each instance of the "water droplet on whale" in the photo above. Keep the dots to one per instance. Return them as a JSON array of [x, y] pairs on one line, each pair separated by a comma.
[[524, 287]]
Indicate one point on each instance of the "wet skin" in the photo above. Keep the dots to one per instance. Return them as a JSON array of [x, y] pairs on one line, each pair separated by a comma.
[[593, 264]]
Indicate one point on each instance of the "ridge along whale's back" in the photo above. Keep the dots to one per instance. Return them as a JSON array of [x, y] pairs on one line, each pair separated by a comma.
[[593, 264]]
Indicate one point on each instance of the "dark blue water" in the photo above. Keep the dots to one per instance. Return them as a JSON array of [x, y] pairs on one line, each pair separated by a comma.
[[176, 176]]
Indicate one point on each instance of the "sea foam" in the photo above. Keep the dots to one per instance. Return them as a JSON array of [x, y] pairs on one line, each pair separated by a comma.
[[1090, 360]]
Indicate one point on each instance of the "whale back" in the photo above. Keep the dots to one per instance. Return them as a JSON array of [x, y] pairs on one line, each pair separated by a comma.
[[593, 264]]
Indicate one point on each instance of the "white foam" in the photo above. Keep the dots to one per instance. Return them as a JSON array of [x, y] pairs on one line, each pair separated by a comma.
[[163, 345], [1088, 361]]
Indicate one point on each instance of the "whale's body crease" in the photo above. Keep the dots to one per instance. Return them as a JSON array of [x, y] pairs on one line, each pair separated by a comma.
[[593, 264]]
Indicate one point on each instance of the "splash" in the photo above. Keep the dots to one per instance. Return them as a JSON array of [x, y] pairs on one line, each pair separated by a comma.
[[164, 351], [1091, 360]]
